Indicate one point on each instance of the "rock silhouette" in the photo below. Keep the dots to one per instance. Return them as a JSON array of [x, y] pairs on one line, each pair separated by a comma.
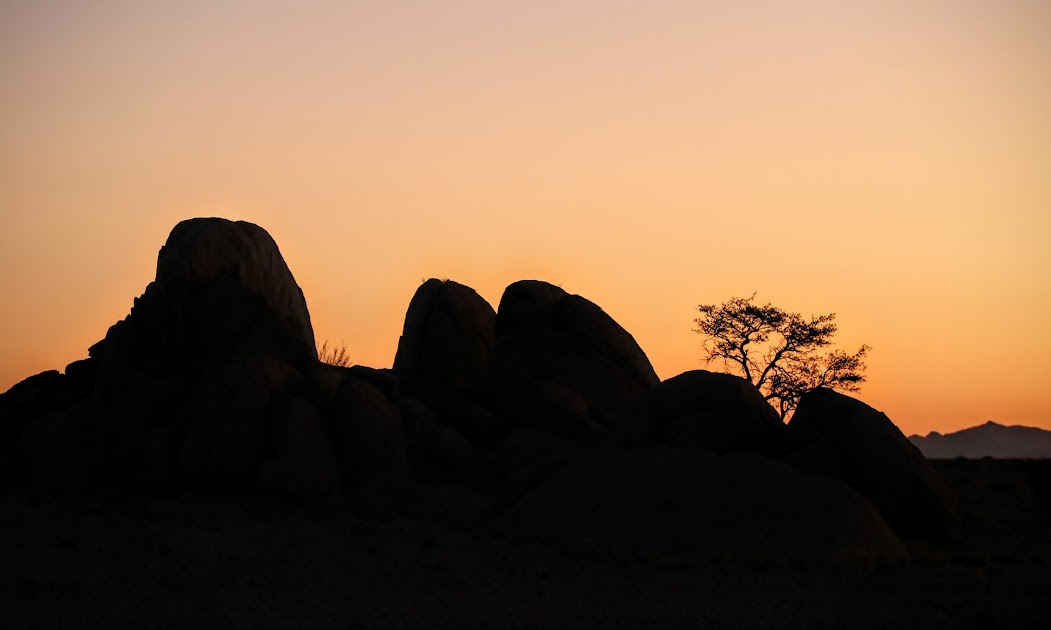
[[562, 364], [444, 355], [695, 505], [447, 340], [868, 451], [221, 288], [183, 390], [543, 418], [231, 417], [720, 413], [43, 393], [303, 465]]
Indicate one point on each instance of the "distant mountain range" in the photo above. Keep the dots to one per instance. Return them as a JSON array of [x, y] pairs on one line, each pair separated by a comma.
[[987, 440]]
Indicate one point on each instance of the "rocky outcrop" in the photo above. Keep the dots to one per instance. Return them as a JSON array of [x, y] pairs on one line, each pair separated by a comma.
[[183, 390], [367, 433], [228, 436], [444, 356], [720, 413], [562, 364], [221, 288], [96, 442], [866, 449], [695, 505], [212, 383], [303, 465], [446, 342], [527, 456], [40, 394]]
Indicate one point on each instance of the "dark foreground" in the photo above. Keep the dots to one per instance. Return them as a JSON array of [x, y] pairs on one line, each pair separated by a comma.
[[245, 563]]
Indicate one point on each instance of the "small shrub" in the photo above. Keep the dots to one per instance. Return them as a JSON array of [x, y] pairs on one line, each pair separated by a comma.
[[334, 355]]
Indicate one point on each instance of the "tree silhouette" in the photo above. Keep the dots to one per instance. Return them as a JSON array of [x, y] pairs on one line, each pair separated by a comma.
[[779, 352]]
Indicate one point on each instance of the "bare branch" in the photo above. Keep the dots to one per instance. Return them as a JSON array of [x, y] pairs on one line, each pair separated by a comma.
[[778, 351]]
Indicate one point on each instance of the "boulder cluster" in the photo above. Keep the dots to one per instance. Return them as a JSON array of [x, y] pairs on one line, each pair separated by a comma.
[[542, 419]]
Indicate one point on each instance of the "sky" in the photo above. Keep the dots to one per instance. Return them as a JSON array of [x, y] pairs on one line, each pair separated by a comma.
[[887, 161]]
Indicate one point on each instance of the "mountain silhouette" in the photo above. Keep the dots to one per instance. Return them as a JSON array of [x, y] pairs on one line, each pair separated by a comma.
[[987, 440]]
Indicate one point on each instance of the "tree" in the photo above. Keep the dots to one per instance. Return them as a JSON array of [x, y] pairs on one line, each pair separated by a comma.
[[781, 353]]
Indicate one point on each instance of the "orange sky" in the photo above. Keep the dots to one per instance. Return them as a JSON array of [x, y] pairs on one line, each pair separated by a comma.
[[889, 163]]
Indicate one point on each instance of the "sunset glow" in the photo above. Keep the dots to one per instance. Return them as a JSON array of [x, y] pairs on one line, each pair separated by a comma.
[[889, 163]]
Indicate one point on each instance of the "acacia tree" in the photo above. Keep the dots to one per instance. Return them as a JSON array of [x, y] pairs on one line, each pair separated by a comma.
[[781, 353]]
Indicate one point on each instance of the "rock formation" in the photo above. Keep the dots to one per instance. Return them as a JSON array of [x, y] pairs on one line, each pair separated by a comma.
[[720, 413], [447, 340], [543, 419], [221, 288], [444, 354], [562, 364], [870, 453], [695, 505], [211, 382]]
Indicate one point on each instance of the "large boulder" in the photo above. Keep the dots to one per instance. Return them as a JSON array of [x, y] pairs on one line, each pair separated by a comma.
[[444, 355], [705, 410], [562, 364], [304, 466], [60, 450], [40, 394], [690, 504], [231, 420], [221, 288], [99, 443], [860, 444], [183, 389], [366, 431], [526, 456], [447, 339]]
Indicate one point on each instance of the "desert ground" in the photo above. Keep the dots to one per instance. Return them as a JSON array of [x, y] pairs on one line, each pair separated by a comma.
[[247, 562]]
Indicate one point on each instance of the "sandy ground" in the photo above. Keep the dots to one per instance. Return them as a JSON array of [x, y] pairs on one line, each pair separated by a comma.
[[244, 564]]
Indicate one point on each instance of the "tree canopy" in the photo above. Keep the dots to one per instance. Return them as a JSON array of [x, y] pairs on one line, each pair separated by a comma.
[[783, 354]]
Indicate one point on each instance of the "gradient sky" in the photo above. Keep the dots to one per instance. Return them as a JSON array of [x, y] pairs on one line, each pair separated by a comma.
[[888, 161]]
